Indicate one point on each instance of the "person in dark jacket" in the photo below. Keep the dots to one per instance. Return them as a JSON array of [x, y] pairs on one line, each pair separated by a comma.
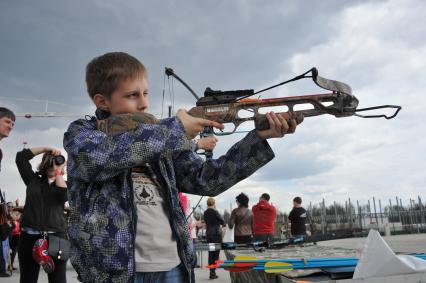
[[214, 222], [43, 212], [242, 218], [264, 215], [297, 219]]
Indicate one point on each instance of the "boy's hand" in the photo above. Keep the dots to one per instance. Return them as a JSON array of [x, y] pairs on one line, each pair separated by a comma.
[[207, 143], [193, 125], [279, 125]]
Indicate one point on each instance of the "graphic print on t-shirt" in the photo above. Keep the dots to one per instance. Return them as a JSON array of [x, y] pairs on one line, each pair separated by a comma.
[[155, 245], [145, 190]]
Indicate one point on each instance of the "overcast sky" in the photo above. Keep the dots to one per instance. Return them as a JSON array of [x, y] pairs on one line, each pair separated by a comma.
[[377, 47]]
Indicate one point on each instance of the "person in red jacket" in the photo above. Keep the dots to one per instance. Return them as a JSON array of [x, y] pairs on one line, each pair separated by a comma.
[[264, 215]]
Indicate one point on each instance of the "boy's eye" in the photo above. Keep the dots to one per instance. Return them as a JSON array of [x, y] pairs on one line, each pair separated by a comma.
[[133, 94]]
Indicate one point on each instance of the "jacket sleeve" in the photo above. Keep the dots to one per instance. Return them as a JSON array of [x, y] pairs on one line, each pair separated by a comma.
[[25, 169], [219, 218], [254, 209], [232, 219], [214, 176], [291, 215], [60, 194], [96, 156]]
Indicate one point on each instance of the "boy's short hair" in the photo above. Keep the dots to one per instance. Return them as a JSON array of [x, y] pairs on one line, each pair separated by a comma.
[[210, 201], [298, 200], [104, 73], [265, 196], [243, 199], [4, 112]]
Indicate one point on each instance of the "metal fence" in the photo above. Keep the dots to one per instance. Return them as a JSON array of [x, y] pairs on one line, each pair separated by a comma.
[[392, 217]]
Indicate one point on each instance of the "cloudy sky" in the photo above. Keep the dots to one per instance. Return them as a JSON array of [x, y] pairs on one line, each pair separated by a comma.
[[377, 47]]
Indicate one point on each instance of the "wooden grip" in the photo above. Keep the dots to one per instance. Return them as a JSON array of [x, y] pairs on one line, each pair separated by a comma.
[[261, 122]]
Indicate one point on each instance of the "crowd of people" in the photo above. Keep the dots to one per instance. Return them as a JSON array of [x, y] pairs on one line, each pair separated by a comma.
[[125, 170], [251, 225]]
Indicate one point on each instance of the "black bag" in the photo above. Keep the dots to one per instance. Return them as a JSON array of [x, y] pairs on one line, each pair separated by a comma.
[[59, 248]]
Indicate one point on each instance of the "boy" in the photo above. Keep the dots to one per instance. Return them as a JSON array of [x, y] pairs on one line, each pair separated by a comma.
[[126, 222]]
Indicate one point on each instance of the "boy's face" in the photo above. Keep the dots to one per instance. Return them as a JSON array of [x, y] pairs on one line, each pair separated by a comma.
[[6, 126], [131, 96]]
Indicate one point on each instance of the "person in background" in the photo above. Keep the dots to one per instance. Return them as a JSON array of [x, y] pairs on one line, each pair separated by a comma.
[[43, 212], [264, 215], [7, 121], [297, 219], [242, 219], [14, 239], [4, 241], [214, 223]]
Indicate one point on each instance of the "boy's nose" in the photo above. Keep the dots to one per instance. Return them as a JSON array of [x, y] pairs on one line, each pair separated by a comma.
[[143, 104]]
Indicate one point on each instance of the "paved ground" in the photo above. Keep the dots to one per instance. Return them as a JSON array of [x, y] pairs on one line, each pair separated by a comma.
[[415, 243], [201, 274]]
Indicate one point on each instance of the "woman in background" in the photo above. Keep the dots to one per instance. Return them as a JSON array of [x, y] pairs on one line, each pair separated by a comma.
[[241, 218], [214, 222], [46, 194]]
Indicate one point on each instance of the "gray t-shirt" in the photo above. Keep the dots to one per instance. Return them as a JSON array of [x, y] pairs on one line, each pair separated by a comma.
[[156, 248]]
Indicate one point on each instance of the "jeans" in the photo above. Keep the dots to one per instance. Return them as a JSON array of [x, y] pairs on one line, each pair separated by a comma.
[[177, 275], [263, 238], [295, 239]]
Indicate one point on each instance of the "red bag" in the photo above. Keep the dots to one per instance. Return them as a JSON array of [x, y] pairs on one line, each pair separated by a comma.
[[41, 256]]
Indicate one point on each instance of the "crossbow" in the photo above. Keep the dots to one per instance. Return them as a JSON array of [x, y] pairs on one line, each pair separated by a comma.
[[224, 106]]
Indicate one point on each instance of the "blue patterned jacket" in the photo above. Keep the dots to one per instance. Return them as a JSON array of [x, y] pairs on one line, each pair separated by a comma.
[[102, 220]]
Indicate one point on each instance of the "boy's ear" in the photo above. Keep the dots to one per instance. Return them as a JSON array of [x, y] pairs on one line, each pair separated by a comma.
[[101, 101]]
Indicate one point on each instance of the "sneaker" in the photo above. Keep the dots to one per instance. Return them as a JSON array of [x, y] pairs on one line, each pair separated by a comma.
[[213, 276], [4, 274]]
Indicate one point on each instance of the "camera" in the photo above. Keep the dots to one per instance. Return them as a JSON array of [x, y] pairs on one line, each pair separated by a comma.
[[57, 160]]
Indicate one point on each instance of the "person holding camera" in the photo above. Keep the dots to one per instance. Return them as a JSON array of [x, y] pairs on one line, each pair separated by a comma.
[[43, 213]]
